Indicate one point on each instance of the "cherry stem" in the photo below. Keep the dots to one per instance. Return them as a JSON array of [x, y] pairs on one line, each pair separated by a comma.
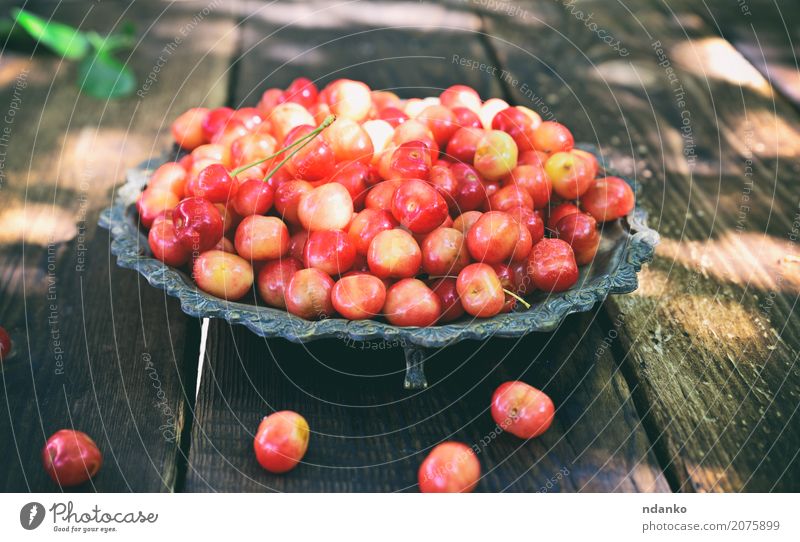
[[518, 298], [311, 135], [303, 141], [509, 292]]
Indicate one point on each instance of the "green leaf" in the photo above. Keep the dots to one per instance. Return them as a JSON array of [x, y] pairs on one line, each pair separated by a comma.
[[103, 76], [112, 43], [62, 39]]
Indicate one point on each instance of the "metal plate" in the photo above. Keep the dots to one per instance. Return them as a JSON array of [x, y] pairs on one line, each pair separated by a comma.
[[625, 246]]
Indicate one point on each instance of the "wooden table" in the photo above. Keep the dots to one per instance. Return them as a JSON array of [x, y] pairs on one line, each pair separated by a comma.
[[689, 384]]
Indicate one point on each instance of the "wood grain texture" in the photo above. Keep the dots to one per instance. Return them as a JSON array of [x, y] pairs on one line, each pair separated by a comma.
[[97, 349], [766, 33], [368, 433], [711, 338]]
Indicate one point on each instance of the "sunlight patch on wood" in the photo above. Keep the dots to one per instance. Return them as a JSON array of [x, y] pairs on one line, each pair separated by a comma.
[[747, 259], [716, 58], [762, 133], [37, 224]]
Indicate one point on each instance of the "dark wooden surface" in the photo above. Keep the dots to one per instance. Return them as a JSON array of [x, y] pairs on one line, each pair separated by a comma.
[[67, 152], [708, 338], [690, 384]]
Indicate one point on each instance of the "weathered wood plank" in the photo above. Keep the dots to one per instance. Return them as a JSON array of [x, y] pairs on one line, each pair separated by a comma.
[[711, 338], [766, 33], [368, 433], [97, 349]]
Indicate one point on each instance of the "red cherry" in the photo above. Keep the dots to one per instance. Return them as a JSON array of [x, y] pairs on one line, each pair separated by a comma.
[[287, 199], [466, 118], [441, 121], [281, 441], [230, 132], [215, 120], [570, 173], [269, 100], [261, 238], [552, 137], [393, 116], [448, 294], [383, 99], [580, 231], [416, 130], [552, 265], [480, 290], [303, 91], [5, 344], [358, 297], [223, 274], [518, 125], [521, 281], [187, 129], [251, 147], [471, 192], [529, 219], [591, 161], [164, 242], [409, 302], [312, 162], [524, 244], [154, 202], [210, 151], [355, 177], [411, 160], [451, 467], [297, 244], [170, 177], [273, 279], [366, 225], [330, 251], [394, 254], [444, 252], [214, 184], [560, 211], [532, 158], [460, 96], [496, 155], [348, 99], [522, 410], [510, 196], [249, 117], [463, 143], [198, 224], [494, 237], [608, 199], [465, 221], [327, 207], [444, 181], [418, 206], [71, 457], [349, 141], [534, 179], [254, 197], [308, 294], [381, 195]]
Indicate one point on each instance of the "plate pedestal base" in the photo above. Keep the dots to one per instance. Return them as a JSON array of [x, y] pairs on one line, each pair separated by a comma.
[[415, 367]]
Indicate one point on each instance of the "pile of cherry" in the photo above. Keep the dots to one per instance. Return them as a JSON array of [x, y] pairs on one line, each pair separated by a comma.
[[356, 202]]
